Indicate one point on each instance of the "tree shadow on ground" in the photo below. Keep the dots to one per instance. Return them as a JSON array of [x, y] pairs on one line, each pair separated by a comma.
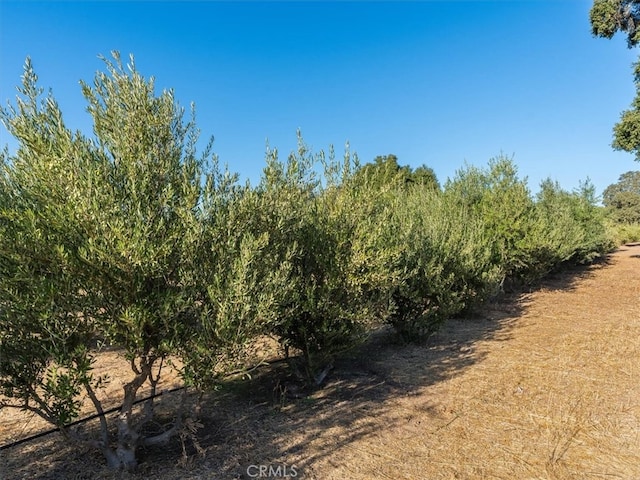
[[255, 422]]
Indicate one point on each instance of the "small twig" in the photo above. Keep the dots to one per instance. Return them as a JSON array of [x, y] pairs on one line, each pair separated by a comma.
[[446, 424], [604, 474], [104, 430]]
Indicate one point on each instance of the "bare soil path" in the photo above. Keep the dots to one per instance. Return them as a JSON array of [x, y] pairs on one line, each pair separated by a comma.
[[541, 385]]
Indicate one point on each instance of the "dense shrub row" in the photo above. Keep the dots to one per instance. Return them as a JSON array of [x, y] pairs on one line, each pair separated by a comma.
[[128, 238], [434, 253]]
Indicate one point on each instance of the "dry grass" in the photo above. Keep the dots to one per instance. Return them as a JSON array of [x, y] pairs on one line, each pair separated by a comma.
[[541, 385]]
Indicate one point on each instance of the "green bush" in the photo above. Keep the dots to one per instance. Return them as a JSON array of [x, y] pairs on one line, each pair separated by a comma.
[[129, 239], [622, 233], [432, 258], [310, 229], [531, 237], [567, 228], [504, 203], [554, 235], [239, 283], [592, 220]]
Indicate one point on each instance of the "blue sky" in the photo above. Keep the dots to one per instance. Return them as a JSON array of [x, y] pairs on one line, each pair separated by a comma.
[[439, 83]]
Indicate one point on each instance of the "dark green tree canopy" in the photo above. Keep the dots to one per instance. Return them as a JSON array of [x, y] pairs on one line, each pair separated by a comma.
[[623, 198], [607, 18], [424, 175], [385, 170], [611, 16]]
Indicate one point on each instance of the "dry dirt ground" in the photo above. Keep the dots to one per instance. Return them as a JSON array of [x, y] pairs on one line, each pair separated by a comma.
[[539, 385]]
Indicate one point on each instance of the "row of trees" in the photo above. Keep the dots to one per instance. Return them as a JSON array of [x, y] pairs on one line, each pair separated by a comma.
[[131, 239]]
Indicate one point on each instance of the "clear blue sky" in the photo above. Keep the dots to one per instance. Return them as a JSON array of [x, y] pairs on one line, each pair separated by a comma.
[[438, 83]]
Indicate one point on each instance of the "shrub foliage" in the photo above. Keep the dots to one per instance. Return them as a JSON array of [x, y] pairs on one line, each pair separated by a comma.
[[129, 238]]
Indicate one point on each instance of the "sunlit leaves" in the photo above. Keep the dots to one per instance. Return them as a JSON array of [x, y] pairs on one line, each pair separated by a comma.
[[610, 16], [607, 18]]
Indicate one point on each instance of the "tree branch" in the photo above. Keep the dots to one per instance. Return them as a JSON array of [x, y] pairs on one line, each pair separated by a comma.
[[104, 430]]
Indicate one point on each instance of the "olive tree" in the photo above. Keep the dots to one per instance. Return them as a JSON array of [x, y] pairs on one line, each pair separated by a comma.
[[124, 237], [498, 196], [311, 229]]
